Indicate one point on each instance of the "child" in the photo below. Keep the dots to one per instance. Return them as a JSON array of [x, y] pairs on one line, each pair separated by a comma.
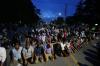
[[49, 52]]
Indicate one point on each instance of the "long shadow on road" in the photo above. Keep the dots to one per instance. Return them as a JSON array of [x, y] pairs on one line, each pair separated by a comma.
[[80, 64], [93, 56]]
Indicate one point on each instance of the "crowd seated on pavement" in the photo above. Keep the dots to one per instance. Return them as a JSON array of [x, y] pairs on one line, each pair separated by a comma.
[[40, 45]]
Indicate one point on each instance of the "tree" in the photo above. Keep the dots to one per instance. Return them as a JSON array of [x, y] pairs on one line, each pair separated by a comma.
[[88, 12], [16, 10], [59, 21]]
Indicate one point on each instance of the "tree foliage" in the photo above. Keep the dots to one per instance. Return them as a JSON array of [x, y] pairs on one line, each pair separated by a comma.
[[59, 21], [88, 12], [13, 11]]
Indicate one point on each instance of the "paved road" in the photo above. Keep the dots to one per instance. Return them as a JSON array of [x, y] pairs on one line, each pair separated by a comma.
[[87, 56]]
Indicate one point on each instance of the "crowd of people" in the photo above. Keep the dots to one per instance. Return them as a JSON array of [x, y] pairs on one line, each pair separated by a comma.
[[42, 44]]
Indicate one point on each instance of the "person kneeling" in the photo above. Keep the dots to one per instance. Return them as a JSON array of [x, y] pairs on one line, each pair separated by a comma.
[[49, 52], [27, 54], [2, 55], [38, 52], [16, 54]]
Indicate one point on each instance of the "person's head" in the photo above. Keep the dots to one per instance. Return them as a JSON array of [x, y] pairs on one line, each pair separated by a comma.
[[33, 40], [27, 42], [79, 37], [17, 45], [38, 44], [60, 40], [48, 46], [68, 41]]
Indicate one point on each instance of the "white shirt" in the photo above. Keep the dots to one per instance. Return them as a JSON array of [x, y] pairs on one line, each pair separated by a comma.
[[48, 50], [83, 34], [63, 46], [77, 33], [2, 54], [17, 53], [68, 45], [43, 38], [82, 40], [28, 52], [32, 30], [40, 37]]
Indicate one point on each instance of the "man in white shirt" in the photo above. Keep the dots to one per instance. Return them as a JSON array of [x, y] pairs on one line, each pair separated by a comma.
[[2, 55], [16, 53], [27, 52]]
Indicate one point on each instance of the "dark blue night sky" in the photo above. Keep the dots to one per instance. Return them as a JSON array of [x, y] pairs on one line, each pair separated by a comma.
[[54, 8]]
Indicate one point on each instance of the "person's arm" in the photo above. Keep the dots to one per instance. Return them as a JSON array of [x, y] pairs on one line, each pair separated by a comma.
[[11, 56], [23, 55], [52, 51], [3, 55], [32, 50]]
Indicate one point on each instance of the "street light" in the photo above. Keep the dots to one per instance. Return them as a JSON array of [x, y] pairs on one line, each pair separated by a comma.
[[96, 24], [60, 14]]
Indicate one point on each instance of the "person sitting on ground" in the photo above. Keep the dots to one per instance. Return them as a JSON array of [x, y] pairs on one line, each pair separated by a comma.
[[79, 43], [64, 35], [57, 49], [72, 47], [38, 52], [28, 53], [43, 37], [49, 38], [83, 36], [66, 53], [53, 39], [16, 53], [49, 52], [2, 55], [68, 46], [33, 42], [63, 48]]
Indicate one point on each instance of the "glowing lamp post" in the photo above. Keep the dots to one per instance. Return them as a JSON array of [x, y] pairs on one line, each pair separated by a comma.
[[59, 14], [96, 24]]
